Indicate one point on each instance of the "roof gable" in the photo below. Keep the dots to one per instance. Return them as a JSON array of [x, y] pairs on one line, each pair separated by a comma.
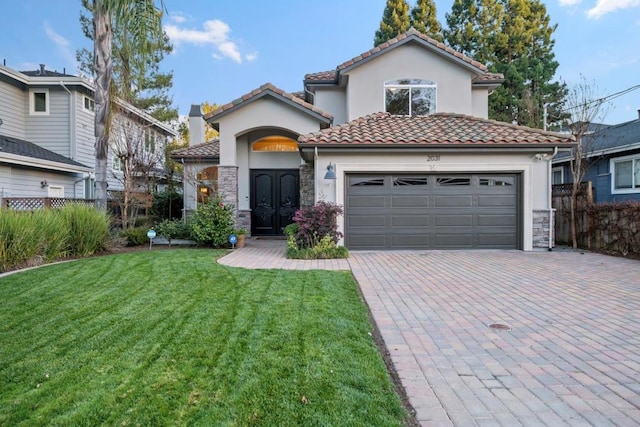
[[436, 130], [411, 36], [269, 90]]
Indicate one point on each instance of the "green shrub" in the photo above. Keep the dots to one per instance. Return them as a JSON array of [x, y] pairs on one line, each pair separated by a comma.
[[167, 205], [212, 223], [173, 229], [326, 248], [136, 236], [19, 241]]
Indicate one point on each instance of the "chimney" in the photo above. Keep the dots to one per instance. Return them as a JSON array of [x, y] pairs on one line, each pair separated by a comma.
[[196, 126], [42, 71]]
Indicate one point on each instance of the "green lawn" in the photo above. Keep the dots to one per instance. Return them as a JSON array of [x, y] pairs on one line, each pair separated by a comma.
[[170, 337]]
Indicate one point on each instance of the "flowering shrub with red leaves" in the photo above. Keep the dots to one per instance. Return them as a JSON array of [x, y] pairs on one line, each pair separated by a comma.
[[316, 222]]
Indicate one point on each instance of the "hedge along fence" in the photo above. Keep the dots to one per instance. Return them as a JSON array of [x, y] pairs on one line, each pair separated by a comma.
[[33, 238], [614, 227]]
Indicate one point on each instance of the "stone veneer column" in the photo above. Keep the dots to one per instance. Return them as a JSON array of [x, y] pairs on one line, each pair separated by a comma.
[[228, 187], [542, 222], [307, 185]]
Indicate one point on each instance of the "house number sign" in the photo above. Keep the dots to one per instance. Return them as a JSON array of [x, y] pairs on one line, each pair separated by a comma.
[[433, 157]]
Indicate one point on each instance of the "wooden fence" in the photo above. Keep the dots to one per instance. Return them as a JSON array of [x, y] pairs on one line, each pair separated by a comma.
[[35, 203], [609, 227]]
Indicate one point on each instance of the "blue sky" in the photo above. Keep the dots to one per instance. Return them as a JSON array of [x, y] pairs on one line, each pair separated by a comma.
[[224, 49]]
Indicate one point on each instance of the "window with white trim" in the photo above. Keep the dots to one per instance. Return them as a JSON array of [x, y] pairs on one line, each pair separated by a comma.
[[557, 175], [410, 97], [89, 104], [117, 163], [39, 102], [625, 174], [150, 141]]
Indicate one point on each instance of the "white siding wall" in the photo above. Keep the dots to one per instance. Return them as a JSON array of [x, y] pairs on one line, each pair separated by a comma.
[[12, 110], [24, 182], [51, 131], [480, 99], [84, 139], [365, 90]]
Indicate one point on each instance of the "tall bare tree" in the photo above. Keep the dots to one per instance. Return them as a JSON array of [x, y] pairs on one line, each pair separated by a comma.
[[585, 108], [144, 21]]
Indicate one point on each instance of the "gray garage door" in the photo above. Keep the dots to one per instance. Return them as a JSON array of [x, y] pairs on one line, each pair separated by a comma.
[[461, 211]]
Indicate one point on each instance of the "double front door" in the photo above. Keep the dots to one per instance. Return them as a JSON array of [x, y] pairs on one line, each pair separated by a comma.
[[275, 196]]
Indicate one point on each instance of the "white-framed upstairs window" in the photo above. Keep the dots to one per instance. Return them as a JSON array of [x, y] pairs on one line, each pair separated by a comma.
[[150, 140], [89, 104], [117, 164], [410, 97], [625, 174], [39, 102], [557, 175]]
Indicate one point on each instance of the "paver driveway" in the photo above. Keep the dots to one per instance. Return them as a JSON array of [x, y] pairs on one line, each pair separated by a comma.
[[572, 356]]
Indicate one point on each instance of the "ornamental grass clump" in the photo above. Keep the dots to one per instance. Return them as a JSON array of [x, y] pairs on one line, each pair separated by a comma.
[[314, 233]]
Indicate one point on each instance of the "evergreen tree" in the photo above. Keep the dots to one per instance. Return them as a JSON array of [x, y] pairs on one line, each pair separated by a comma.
[[512, 37], [136, 77], [395, 20], [423, 19]]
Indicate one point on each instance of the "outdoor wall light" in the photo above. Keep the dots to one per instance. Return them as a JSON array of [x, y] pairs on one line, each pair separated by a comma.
[[330, 172], [44, 183]]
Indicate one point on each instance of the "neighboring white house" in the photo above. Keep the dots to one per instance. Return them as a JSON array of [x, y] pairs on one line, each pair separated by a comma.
[[399, 136], [47, 135]]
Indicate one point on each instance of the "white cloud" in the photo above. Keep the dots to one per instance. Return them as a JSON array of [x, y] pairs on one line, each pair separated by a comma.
[[215, 33], [569, 2], [603, 7], [177, 17], [63, 45], [251, 56]]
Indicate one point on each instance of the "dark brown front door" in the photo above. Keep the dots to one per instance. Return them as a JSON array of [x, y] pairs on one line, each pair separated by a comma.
[[275, 197]]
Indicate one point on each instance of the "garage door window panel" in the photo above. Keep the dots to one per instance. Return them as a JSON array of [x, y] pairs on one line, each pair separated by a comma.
[[451, 182], [366, 182]]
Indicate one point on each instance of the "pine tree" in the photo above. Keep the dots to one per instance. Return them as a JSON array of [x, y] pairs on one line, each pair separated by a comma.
[[136, 78], [395, 21], [423, 19], [514, 38]]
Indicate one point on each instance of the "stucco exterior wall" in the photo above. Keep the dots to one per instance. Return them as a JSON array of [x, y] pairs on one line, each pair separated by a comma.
[[535, 187], [365, 89], [266, 112], [334, 101], [480, 103]]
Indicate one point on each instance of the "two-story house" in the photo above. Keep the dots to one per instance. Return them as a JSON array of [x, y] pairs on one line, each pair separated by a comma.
[[47, 135], [399, 137]]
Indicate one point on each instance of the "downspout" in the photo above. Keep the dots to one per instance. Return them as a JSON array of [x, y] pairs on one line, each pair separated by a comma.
[[72, 131], [551, 210]]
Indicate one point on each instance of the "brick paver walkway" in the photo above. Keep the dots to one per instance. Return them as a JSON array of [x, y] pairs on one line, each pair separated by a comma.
[[572, 356]]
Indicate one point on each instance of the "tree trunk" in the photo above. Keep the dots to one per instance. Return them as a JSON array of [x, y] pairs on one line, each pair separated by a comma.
[[572, 209], [102, 59]]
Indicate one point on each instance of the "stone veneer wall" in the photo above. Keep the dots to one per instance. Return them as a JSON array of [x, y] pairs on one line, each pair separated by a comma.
[[244, 220], [228, 187], [541, 224], [307, 188]]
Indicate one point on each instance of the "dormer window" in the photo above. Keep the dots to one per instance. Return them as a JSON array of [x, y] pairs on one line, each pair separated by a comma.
[[410, 97]]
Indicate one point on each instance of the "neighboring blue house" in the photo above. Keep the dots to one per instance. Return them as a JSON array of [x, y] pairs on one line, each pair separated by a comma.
[[614, 162]]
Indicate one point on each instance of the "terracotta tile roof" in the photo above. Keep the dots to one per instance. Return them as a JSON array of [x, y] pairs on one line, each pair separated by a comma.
[[489, 77], [299, 94], [261, 91], [332, 75], [322, 76], [412, 32], [383, 129], [208, 150]]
